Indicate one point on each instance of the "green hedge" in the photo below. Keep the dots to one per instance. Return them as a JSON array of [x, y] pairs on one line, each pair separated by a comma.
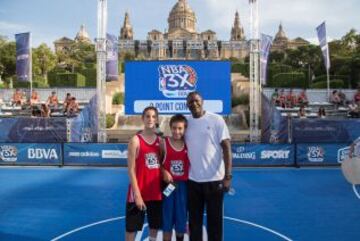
[[289, 80], [335, 84], [68, 80], [243, 99], [90, 77], [110, 120], [323, 78], [118, 98], [240, 68]]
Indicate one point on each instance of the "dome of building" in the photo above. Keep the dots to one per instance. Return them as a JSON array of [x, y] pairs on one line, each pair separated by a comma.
[[281, 34], [182, 17], [82, 35]]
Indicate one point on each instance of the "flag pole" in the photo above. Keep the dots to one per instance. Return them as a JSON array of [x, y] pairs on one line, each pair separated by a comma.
[[30, 68]]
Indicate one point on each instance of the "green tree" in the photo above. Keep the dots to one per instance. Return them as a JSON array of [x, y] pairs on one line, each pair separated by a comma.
[[7, 59], [44, 60]]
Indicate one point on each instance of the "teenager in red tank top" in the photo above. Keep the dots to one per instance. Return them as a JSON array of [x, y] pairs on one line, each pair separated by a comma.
[[147, 171], [144, 194], [176, 161]]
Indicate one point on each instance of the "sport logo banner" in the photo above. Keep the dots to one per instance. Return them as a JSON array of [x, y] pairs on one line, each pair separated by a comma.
[[8, 153], [316, 154], [177, 81]]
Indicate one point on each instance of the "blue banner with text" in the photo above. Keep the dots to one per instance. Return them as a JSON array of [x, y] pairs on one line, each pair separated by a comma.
[[166, 84], [95, 154], [321, 154], [263, 154], [30, 154]]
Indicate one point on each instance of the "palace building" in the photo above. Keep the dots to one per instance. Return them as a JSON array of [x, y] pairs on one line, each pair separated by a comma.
[[182, 41]]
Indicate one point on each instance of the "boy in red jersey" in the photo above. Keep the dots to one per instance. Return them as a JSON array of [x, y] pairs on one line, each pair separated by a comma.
[[144, 193], [175, 169]]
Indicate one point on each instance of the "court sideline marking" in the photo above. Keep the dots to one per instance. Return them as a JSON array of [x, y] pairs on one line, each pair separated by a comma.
[[123, 217]]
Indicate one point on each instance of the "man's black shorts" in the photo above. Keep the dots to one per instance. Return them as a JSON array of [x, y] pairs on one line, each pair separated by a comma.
[[135, 217]]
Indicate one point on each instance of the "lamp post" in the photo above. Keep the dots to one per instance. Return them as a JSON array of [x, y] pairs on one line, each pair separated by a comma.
[[101, 69]]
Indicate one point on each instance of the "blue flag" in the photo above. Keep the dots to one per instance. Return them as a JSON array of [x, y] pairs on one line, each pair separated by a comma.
[[111, 58], [265, 45], [23, 57], [321, 33]]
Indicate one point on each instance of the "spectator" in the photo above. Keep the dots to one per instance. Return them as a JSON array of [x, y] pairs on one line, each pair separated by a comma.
[[17, 98], [35, 98], [275, 97], [357, 97], [335, 99], [73, 107], [291, 99], [45, 111], [342, 97], [302, 98], [354, 109], [66, 101], [302, 113], [282, 98], [53, 100], [321, 112]]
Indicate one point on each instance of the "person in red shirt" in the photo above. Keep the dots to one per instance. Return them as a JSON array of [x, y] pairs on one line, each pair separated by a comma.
[[357, 97], [302, 98], [144, 194], [291, 100], [175, 169]]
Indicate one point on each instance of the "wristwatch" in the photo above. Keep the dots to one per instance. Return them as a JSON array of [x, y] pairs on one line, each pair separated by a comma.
[[228, 176]]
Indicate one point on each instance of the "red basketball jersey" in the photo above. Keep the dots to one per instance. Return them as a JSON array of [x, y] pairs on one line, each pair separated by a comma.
[[147, 169], [176, 162]]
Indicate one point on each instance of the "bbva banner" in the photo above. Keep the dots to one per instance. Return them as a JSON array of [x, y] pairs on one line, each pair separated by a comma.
[[39, 154], [166, 84]]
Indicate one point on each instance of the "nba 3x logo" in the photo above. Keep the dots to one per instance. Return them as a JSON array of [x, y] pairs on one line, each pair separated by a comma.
[[177, 81]]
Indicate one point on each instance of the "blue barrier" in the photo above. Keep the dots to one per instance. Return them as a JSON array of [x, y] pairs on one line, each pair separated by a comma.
[[321, 154], [111, 154], [263, 154], [30, 154], [33, 130], [325, 130], [95, 154]]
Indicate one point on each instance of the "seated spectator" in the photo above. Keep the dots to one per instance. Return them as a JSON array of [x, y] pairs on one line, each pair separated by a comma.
[[35, 98], [72, 108], [357, 97], [354, 110], [282, 98], [291, 99], [302, 98], [342, 97], [52, 100], [67, 101], [321, 112], [335, 99], [275, 97], [17, 98], [45, 111], [302, 113]]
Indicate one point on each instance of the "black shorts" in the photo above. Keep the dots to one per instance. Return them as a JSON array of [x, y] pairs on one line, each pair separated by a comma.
[[135, 218]]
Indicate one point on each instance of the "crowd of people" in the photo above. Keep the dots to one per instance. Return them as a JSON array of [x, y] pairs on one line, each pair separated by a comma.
[[337, 99], [68, 107]]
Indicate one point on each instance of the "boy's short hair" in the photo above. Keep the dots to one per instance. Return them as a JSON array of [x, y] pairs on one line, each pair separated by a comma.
[[178, 118], [150, 108]]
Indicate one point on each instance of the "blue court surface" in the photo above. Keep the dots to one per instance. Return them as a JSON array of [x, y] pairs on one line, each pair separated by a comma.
[[88, 204]]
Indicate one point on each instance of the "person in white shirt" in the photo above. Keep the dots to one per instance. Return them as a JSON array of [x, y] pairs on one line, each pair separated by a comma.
[[208, 140]]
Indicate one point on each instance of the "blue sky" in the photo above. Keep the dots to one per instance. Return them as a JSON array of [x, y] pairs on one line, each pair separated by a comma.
[[49, 20]]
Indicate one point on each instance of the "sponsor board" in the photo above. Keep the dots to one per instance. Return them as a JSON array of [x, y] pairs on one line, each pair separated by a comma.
[[166, 84]]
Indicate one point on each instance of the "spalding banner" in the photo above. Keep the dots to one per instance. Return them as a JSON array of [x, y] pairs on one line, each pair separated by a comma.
[[166, 84]]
